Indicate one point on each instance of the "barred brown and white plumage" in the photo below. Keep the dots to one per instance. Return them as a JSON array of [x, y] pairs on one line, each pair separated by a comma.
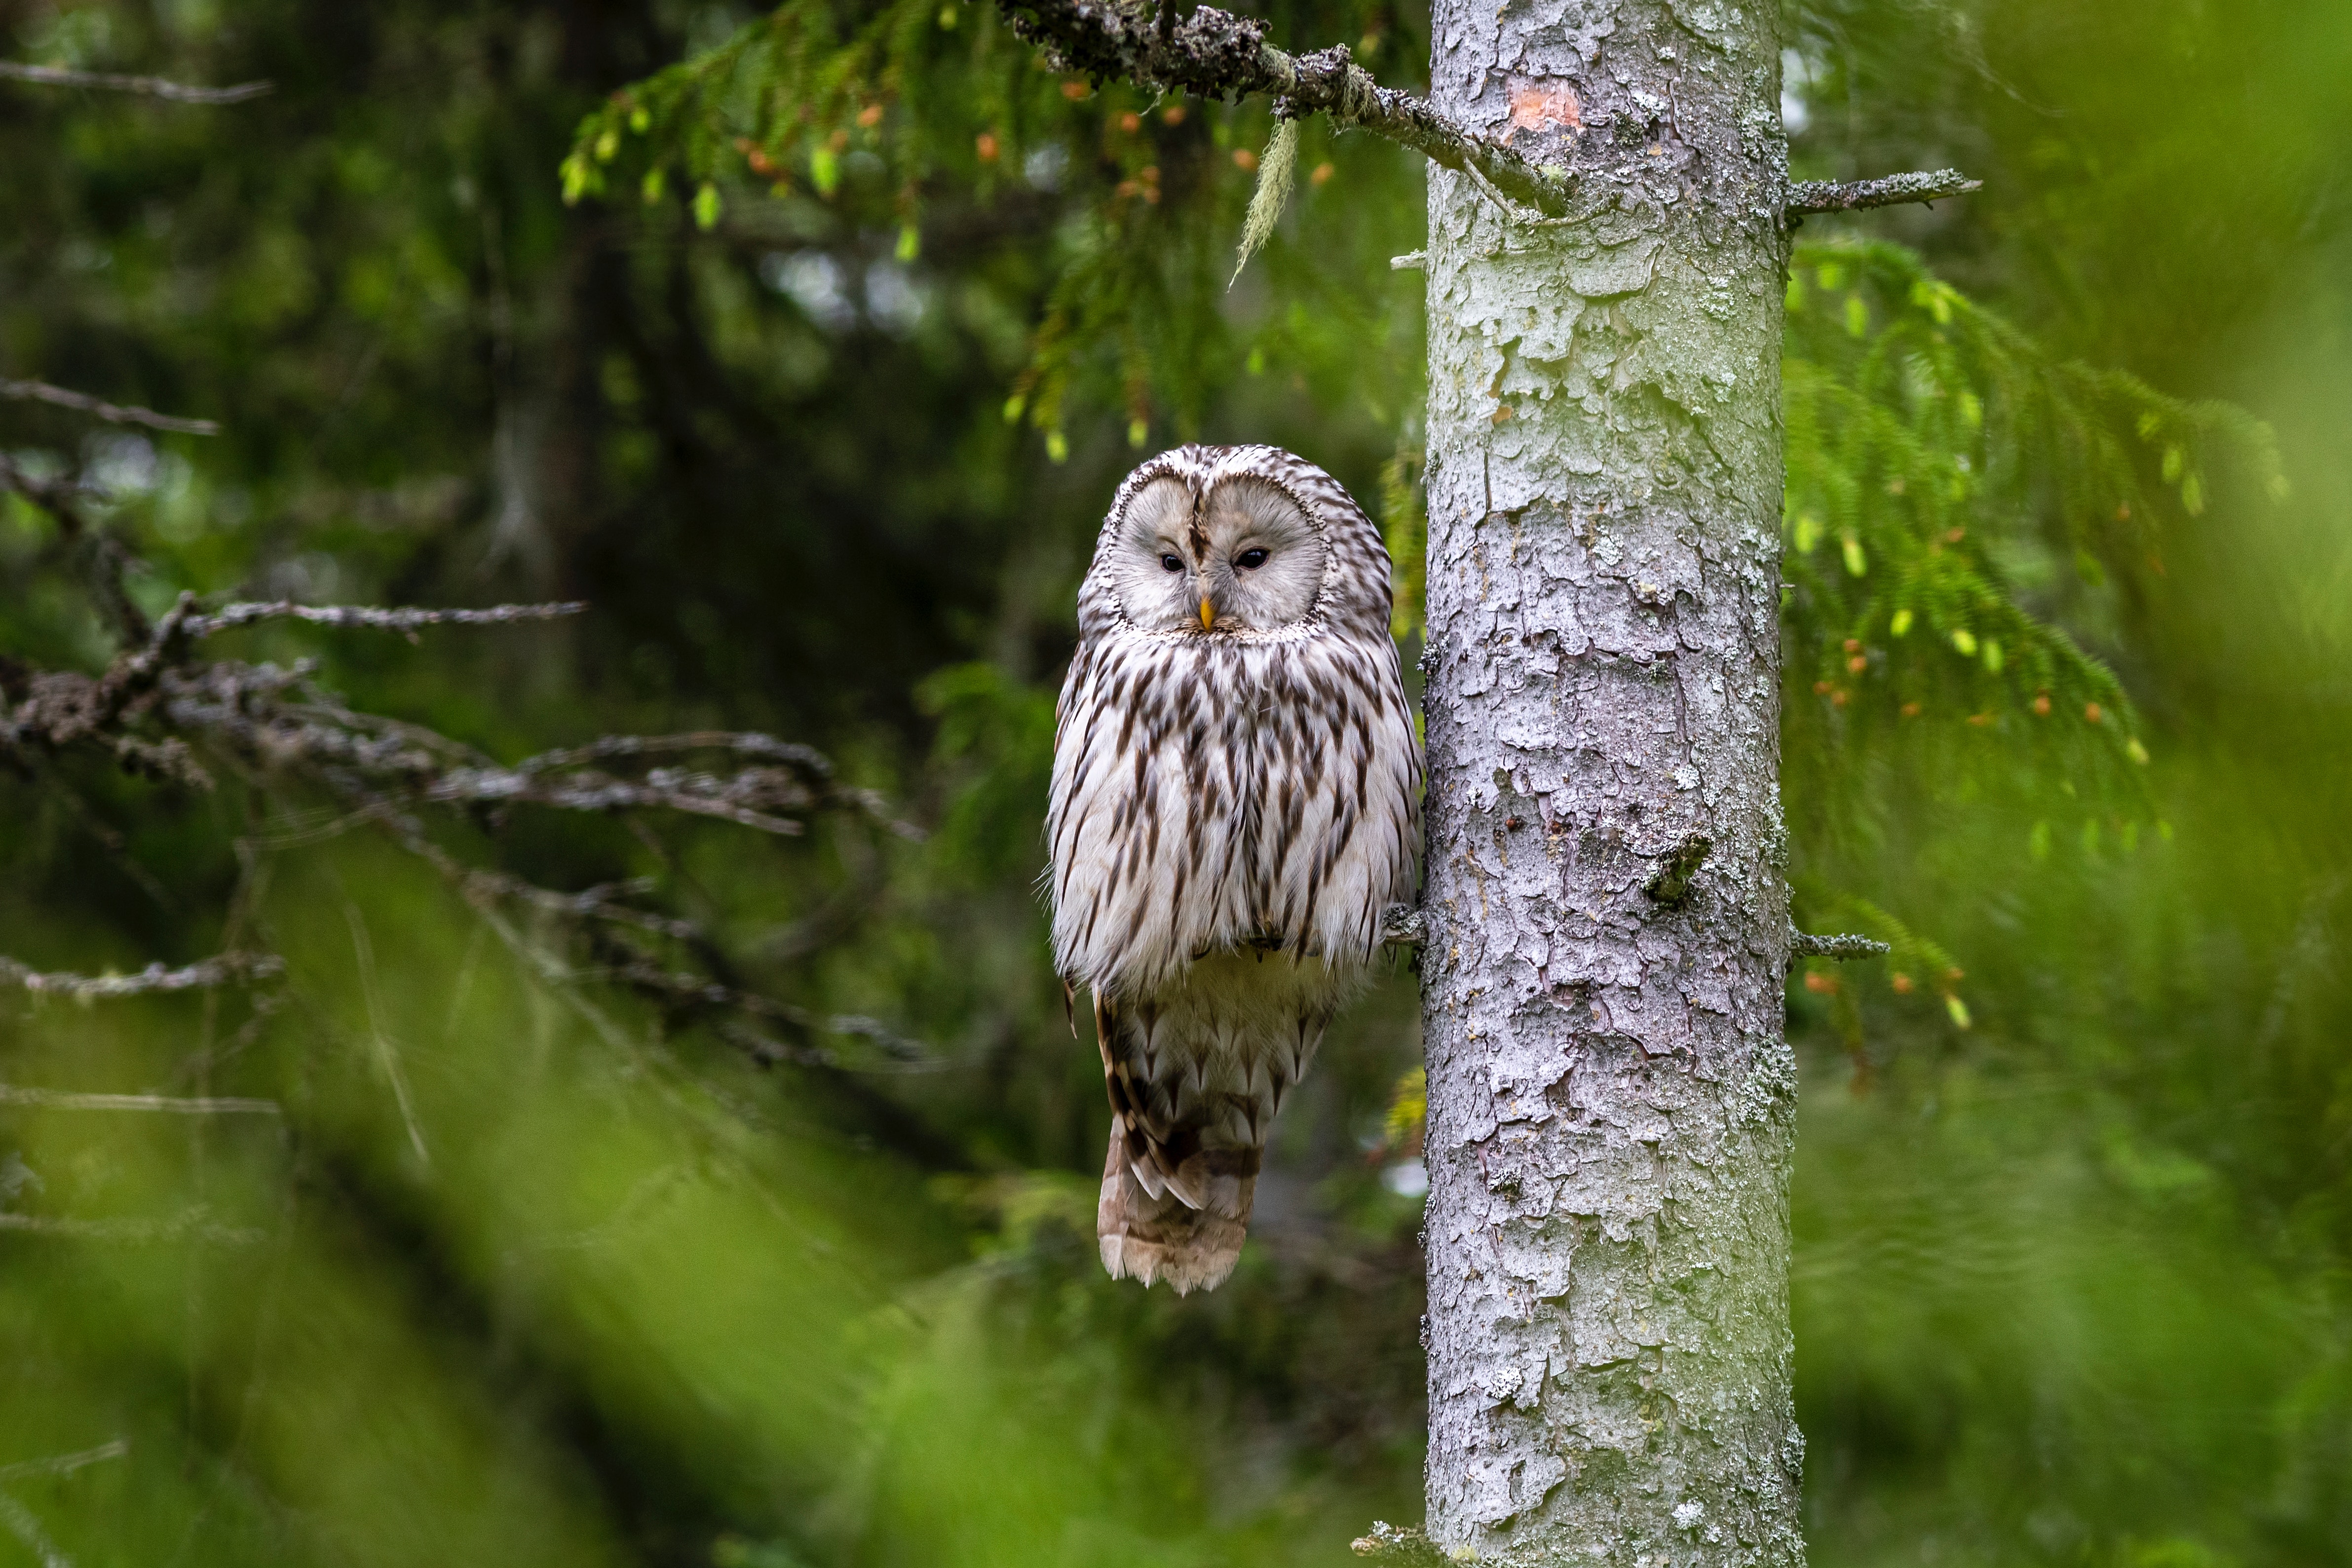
[[1237, 798]]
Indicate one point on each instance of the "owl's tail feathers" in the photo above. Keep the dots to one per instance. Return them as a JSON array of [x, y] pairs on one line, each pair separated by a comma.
[[1183, 1161], [1159, 1236]]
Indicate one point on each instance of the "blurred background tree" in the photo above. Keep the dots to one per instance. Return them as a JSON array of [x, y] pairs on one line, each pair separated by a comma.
[[536, 1264]]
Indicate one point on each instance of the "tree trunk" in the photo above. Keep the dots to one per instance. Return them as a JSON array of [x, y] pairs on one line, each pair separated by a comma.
[[1611, 1095]]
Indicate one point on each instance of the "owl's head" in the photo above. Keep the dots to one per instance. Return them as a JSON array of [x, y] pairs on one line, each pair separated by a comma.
[[1214, 553]]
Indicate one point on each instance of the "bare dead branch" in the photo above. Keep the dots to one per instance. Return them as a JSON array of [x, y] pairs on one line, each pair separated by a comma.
[[637, 970], [133, 675], [695, 990], [199, 1066], [46, 494], [230, 616], [387, 1049], [223, 969], [114, 413], [750, 797], [244, 704], [266, 722], [202, 1105], [109, 560], [600, 902], [806, 760], [738, 798], [63, 707], [146, 86], [1809, 196], [278, 718], [745, 743]]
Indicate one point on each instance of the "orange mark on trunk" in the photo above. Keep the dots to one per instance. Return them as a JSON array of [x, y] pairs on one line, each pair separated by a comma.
[[1541, 105]]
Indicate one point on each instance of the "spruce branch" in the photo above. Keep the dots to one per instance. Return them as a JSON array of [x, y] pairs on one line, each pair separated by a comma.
[[1805, 944]]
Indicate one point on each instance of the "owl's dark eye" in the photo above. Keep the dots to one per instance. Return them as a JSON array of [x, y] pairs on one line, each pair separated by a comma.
[[1169, 564], [1250, 560]]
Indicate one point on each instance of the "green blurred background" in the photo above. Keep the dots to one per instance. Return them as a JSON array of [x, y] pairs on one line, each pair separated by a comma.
[[527, 1272]]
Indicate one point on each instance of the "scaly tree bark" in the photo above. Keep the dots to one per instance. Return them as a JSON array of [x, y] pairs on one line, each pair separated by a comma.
[[1611, 1095]]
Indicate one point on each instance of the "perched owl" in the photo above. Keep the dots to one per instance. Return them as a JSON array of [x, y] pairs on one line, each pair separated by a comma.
[[1236, 799]]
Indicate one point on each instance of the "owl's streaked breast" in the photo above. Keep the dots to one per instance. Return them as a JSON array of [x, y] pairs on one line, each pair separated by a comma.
[[1208, 792]]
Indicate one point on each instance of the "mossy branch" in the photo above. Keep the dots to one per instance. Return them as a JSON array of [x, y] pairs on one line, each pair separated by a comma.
[[1214, 54], [1807, 197]]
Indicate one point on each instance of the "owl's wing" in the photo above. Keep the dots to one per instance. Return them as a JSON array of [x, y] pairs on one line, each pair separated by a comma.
[[1337, 834]]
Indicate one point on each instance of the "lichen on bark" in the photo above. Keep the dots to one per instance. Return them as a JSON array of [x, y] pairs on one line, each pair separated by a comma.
[[1611, 1092]]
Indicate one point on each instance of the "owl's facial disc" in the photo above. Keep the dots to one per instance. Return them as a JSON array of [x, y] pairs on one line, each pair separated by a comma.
[[1265, 560], [1245, 560]]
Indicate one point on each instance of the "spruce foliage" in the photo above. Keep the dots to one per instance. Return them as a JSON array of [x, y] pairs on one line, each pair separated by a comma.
[[1945, 474], [902, 113], [1950, 485]]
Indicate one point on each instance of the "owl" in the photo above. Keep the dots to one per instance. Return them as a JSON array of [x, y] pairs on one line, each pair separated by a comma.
[[1237, 798]]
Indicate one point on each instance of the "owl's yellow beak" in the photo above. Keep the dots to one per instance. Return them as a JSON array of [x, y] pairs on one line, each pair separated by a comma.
[[1208, 617]]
